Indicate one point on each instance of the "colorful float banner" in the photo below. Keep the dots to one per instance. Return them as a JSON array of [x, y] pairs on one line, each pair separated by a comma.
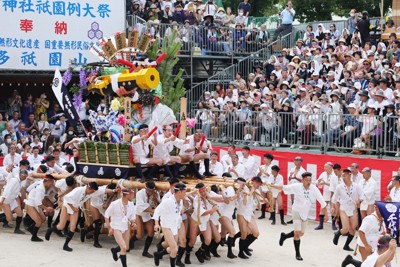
[[46, 34], [382, 169]]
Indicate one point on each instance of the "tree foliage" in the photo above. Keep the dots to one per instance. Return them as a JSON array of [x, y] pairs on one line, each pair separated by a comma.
[[172, 85]]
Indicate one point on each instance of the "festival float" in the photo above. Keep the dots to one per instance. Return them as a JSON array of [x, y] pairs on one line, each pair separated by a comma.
[[128, 71]]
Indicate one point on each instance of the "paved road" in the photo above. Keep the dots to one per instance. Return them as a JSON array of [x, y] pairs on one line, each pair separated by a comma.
[[316, 247]]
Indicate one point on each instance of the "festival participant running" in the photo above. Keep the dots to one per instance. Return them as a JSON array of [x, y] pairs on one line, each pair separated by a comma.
[[294, 176], [305, 195], [97, 211], [35, 207], [120, 212], [9, 201], [264, 173], [368, 187], [200, 223], [347, 194], [246, 220], [277, 179], [324, 181], [147, 199], [140, 149], [170, 219], [227, 209], [73, 202]]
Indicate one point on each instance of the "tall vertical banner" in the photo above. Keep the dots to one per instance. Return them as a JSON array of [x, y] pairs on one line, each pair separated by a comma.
[[390, 212], [46, 34], [61, 93]]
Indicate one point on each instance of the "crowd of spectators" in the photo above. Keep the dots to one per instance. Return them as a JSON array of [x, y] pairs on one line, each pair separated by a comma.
[[339, 88], [213, 28]]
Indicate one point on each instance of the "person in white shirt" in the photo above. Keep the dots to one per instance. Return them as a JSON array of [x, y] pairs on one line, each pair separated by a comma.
[[147, 199], [63, 187], [295, 176], [72, 203], [372, 227], [227, 210], [384, 254], [245, 214], [9, 201], [394, 193], [356, 175], [195, 149], [249, 163], [265, 173], [59, 161], [276, 179], [140, 150], [368, 188], [305, 195], [97, 210], [163, 148], [35, 207], [226, 159], [347, 194], [51, 164], [117, 216], [324, 181], [336, 179], [35, 159], [235, 170], [12, 158], [215, 166], [170, 218], [59, 128], [200, 223]]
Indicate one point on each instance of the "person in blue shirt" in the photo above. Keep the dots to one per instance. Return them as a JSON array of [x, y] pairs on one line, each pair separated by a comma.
[[246, 7], [287, 16]]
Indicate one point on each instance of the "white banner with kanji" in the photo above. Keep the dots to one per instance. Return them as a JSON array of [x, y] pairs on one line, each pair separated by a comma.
[[48, 34]]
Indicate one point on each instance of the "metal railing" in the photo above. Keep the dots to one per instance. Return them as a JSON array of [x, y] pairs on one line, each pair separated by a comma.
[[343, 133], [244, 66], [340, 24]]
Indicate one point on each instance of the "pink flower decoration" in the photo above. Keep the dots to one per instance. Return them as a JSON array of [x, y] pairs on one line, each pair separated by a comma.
[[121, 120], [191, 122]]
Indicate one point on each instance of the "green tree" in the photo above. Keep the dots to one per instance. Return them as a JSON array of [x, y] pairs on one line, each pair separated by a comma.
[[311, 10], [343, 7], [172, 85]]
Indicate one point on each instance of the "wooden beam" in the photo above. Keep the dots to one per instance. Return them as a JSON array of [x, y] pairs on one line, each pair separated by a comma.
[[183, 116]]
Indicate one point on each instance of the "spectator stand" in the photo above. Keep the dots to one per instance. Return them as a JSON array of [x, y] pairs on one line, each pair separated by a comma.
[[245, 66], [305, 130]]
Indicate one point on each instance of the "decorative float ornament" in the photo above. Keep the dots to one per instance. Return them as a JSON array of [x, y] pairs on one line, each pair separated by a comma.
[[115, 104], [116, 134], [121, 120], [103, 122], [191, 122]]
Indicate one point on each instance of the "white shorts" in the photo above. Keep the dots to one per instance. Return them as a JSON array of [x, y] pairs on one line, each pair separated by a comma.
[[143, 160], [69, 210], [13, 204], [203, 224], [214, 218], [350, 211], [298, 223], [364, 205], [145, 216], [184, 216]]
